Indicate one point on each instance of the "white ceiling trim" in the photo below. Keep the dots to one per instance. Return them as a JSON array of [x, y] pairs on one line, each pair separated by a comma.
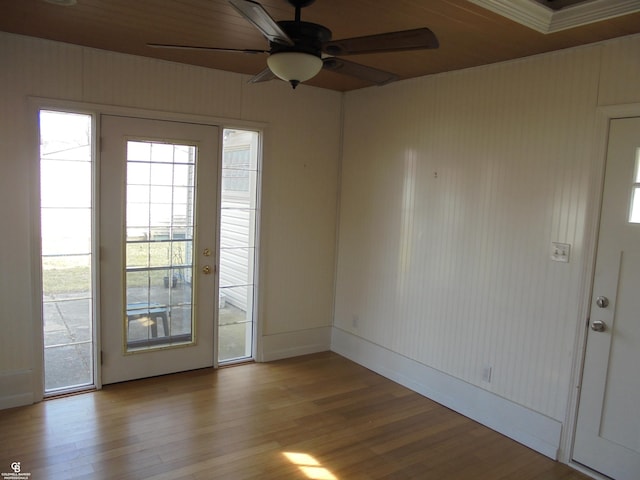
[[538, 17]]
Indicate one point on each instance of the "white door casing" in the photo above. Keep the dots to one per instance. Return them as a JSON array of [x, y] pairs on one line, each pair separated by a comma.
[[118, 362], [607, 436]]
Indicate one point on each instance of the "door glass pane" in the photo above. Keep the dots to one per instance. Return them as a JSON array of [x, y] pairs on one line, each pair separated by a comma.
[[237, 245], [159, 244], [66, 181]]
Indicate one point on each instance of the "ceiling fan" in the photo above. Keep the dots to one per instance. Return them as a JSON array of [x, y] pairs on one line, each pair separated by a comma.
[[299, 50]]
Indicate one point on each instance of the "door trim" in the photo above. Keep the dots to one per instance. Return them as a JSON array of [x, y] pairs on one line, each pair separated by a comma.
[[34, 105], [604, 115]]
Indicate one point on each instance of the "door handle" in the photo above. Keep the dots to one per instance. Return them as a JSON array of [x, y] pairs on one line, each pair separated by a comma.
[[206, 269], [598, 326]]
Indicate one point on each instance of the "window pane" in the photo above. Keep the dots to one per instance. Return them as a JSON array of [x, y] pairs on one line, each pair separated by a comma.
[[66, 274], [162, 152], [65, 184], [235, 320], [65, 230], [62, 319], [183, 175], [236, 228], [139, 173], [237, 241], [66, 180], [236, 266], [161, 174], [160, 207], [68, 366], [139, 151]]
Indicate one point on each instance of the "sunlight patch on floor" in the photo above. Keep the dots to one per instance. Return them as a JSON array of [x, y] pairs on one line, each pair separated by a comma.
[[309, 466]]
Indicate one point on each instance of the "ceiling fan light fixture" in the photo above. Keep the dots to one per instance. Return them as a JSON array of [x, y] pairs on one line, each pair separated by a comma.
[[294, 67]]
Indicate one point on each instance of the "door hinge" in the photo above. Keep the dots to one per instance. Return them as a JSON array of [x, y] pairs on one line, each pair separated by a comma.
[[101, 357]]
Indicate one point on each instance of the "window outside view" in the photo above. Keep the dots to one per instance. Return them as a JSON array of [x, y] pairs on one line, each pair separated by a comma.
[[237, 245], [66, 227], [158, 246]]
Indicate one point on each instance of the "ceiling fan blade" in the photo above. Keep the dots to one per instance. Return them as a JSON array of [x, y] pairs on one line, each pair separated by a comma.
[[263, 76], [369, 74], [209, 49], [417, 39], [258, 16]]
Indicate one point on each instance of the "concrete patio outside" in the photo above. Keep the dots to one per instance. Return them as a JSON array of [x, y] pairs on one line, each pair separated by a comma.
[[68, 333]]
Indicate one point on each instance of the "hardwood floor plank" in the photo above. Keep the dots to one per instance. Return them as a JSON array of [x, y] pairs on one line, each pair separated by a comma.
[[238, 423]]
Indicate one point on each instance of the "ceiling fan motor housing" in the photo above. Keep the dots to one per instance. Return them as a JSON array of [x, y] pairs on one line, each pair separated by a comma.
[[301, 3], [307, 37]]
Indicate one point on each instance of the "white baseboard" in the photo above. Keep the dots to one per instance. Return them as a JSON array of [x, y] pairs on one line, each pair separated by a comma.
[[16, 389], [519, 423], [293, 344]]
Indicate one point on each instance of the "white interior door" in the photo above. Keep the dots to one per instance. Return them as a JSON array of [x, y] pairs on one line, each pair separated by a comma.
[[608, 428], [158, 204]]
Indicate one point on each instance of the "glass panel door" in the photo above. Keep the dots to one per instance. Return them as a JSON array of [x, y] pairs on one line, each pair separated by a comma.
[[158, 216]]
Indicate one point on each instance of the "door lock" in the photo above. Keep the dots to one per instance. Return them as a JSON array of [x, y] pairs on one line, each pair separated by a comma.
[[602, 302]]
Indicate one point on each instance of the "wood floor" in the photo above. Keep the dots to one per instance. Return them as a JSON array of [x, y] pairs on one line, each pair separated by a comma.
[[340, 420]]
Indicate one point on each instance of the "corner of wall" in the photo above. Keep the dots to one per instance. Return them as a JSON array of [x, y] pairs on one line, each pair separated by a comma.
[[292, 344]]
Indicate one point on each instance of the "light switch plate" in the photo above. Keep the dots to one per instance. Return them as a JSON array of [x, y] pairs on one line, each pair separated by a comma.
[[560, 252]]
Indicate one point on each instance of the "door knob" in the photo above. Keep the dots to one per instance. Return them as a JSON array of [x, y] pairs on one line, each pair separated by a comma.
[[598, 326], [206, 269], [602, 302]]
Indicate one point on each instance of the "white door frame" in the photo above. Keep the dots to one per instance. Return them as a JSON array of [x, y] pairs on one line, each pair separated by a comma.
[[42, 103], [604, 115]]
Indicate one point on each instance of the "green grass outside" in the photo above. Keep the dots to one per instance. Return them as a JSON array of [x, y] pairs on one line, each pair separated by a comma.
[[72, 274]]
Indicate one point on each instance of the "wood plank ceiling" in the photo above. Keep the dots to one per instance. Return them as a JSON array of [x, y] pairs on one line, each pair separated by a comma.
[[469, 34]]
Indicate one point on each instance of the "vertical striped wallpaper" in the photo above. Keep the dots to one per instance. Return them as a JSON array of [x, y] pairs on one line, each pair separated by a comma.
[[620, 71], [453, 189]]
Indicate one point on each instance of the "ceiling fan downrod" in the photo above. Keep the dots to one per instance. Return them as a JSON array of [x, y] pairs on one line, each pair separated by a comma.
[[299, 5]]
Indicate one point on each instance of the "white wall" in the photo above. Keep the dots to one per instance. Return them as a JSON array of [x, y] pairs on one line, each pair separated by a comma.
[[299, 184], [453, 188]]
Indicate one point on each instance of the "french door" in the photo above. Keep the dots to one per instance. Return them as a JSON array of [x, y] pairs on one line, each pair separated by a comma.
[[158, 216]]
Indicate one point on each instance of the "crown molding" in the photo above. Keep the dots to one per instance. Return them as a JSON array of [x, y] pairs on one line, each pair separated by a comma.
[[544, 20]]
